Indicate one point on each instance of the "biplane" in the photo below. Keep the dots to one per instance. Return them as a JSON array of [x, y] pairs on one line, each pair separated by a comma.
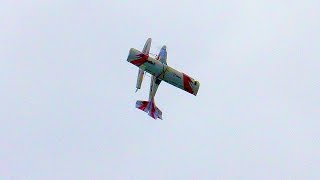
[[160, 71]]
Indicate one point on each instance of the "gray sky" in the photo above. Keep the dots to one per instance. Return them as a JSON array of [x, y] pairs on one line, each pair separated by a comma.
[[68, 102]]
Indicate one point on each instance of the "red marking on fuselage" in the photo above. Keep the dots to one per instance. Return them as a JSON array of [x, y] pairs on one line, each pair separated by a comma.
[[186, 83], [142, 58]]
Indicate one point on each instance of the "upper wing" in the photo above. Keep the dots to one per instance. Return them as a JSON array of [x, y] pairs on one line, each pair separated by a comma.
[[163, 71], [180, 80]]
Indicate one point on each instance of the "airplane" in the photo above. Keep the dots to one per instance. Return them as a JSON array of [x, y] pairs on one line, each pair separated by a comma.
[[160, 71]]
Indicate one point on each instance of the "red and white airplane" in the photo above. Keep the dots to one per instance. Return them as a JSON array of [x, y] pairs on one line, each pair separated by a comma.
[[159, 71]]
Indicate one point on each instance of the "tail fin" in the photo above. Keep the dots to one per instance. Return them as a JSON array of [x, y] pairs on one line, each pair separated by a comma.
[[150, 108]]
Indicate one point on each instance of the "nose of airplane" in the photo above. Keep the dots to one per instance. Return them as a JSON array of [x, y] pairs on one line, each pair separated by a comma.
[[164, 47]]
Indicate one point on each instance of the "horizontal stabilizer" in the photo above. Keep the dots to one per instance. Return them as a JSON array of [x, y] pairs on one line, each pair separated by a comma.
[[150, 108]]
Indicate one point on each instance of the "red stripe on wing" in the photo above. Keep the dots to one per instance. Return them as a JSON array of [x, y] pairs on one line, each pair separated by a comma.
[[186, 83], [142, 58]]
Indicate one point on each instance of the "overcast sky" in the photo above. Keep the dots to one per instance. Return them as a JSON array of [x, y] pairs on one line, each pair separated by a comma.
[[67, 108]]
